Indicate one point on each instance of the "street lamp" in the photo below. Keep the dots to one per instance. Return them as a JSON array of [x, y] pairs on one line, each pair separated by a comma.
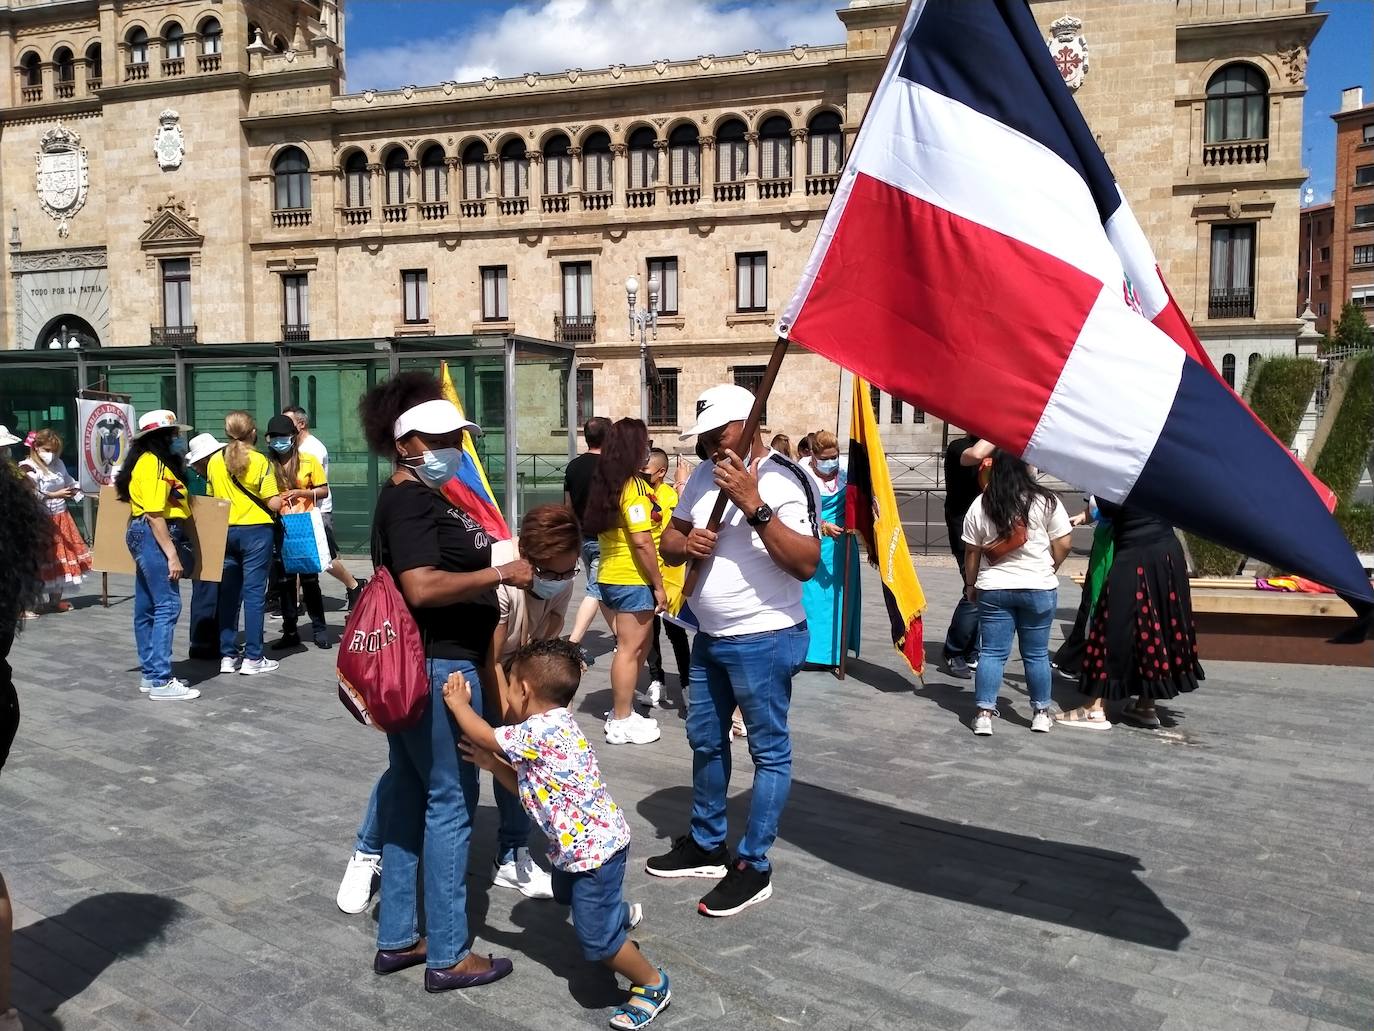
[[645, 320], [1308, 316]]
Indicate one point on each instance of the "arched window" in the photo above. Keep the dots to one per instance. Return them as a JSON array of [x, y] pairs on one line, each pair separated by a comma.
[[291, 170], [357, 181], [732, 152], [684, 156], [515, 169], [643, 159], [826, 153], [1228, 370], [1237, 104], [94, 64], [775, 148], [475, 181], [433, 175], [557, 165], [278, 45], [1251, 364], [173, 42], [211, 37], [598, 165], [31, 69], [397, 176], [66, 65], [138, 46]]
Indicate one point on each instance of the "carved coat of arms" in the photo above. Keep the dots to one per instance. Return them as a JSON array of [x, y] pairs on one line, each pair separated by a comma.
[[63, 174], [169, 144], [1069, 50]]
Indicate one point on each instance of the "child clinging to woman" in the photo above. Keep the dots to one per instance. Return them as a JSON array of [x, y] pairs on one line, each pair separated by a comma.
[[546, 760]]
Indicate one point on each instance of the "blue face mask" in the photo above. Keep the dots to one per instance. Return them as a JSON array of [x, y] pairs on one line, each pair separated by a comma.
[[281, 445], [178, 446], [827, 466], [546, 589], [436, 468]]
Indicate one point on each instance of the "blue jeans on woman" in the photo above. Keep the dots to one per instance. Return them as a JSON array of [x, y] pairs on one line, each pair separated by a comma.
[[1028, 616], [753, 672], [247, 561], [427, 799], [157, 601]]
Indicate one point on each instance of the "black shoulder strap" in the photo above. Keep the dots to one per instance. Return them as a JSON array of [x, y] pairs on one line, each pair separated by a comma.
[[251, 496]]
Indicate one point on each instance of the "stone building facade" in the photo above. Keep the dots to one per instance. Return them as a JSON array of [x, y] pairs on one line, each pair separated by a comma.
[[183, 172]]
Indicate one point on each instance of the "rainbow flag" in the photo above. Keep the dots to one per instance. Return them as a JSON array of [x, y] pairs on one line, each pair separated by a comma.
[[470, 490]]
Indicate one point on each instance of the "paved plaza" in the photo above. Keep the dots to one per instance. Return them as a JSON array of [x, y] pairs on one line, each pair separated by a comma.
[[174, 866]]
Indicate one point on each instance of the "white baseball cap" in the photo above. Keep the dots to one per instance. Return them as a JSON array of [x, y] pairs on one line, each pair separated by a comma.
[[432, 418], [158, 419], [203, 445], [720, 406], [6, 437]]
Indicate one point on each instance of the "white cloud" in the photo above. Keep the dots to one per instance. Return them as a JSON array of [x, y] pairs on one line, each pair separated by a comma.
[[553, 35]]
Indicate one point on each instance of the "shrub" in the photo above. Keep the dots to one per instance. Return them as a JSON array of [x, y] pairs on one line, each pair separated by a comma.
[[1211, 559], [1357, 522], [1346, 450], [1351, 330]]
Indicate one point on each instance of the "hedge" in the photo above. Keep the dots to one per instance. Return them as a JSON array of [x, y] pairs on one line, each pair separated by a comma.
[[1346, 450], [1357, 520]]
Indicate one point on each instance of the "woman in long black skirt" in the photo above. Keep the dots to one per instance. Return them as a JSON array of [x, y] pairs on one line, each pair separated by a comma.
[[1141, 644]]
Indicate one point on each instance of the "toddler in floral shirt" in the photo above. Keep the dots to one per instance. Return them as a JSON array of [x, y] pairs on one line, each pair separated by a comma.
[[547, 761]]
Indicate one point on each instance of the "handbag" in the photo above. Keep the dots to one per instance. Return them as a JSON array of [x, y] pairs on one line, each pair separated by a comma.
[[1004, 546], [304, 548]]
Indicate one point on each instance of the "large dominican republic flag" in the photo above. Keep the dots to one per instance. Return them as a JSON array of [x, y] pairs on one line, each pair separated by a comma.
[[978, 260], [470, 490]]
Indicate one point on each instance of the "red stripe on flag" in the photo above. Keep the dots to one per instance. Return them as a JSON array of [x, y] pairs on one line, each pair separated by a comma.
[[928, 305]]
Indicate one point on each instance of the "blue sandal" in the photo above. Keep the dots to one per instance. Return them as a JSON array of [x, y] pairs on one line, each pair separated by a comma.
[[643, 1005]]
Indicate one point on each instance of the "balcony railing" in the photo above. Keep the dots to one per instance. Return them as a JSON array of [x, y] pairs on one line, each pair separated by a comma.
[[136, 72], [473, 208], [1231, 303], [356, 216], [729, 191], [395, 212], [774, 189], [821, 185], [689, 194], [597, 200], [172, 336], [92, 84], [553, 204], [64, 90], [31, 94], [208, 62], [291, 218], [433, 210], [1235, 152], [295, 334], [513, 205], [643, 198], [173, 66], [574, 329]]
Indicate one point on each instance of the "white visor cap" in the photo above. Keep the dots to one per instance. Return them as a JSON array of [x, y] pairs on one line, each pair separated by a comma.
[[433, 419]]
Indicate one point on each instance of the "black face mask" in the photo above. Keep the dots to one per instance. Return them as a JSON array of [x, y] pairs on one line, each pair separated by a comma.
[[701, 450]]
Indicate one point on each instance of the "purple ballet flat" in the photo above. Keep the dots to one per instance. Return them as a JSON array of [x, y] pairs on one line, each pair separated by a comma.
[[447, 980], [389, 961]]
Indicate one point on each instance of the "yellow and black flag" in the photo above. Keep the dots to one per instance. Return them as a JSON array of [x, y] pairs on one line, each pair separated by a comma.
[[871, 511]]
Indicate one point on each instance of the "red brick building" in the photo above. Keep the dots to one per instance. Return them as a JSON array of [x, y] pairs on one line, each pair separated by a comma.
[[1352, 237], [1315, 226]]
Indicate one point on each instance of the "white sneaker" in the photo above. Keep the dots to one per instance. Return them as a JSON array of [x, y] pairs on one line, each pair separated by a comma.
[[359, 882], [524, 875], [173, 691], [229, 664], [636, 914], [9, 1021], [982, 723], [651, 695], [145, 685], [252, 667], [1041, 722], [632, 730]]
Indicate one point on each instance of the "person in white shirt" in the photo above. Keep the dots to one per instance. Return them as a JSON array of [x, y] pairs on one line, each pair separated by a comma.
[[751, 642], [1016, 535], [312, 445]]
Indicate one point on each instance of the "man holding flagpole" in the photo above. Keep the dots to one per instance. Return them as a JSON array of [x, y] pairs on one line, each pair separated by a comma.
[[751, 642]]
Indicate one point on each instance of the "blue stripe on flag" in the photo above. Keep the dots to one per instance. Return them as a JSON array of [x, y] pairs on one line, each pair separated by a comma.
[[1215, 471], [989, 55]]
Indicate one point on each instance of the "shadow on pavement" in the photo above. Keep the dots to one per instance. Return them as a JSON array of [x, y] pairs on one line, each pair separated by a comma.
[[65, 954], [1057, 882]]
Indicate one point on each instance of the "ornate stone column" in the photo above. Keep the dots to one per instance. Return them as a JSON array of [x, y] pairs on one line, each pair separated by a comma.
[[452, 169], [575, 174], [536, 186], [412, 200], [620, 174], [376, 192], [799, 138], [751, 140], [708, 167]]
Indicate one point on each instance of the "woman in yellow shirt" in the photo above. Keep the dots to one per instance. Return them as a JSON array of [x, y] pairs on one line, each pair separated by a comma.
[[153, 481], [301, 478], [244, 478], [620, 512]]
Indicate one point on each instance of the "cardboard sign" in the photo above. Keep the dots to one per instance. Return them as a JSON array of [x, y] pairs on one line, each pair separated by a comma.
[[208, 529]]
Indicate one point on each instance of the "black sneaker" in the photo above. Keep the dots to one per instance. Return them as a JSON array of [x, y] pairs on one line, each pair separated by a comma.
[[322, 641], [285, 641], [957, 667], [588, 659], [355, 593], [741, 887], [688, 859]]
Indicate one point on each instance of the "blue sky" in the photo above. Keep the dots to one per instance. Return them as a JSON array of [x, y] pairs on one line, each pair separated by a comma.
[[395, 42]]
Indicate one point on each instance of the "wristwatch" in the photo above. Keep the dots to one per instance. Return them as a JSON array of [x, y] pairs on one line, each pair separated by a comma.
[[762, 516]]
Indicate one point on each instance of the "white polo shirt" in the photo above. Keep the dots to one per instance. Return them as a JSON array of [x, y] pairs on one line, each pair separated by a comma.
[[312, 445], [741, 589]]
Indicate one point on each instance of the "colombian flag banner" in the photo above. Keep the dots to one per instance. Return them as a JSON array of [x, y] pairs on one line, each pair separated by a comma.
[[870, 509], [470, 490]]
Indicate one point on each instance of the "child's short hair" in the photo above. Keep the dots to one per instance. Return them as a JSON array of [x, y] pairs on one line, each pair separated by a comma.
[[553, 668]]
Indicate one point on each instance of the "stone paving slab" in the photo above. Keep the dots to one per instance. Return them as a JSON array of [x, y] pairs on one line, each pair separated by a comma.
[[174, 866]]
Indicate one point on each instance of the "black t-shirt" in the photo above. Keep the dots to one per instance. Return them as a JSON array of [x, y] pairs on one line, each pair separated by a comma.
[[577, 481], [961, 481], [420, 527]]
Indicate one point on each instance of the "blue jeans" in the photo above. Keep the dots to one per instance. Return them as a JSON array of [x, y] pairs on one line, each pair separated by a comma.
[[1027, 615], [753, 672], [247, 561], [591, 564], [204, 616], [157, 601], [601, 916]]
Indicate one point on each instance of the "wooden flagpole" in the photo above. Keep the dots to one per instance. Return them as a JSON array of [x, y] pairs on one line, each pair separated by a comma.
[[844, 610], [751, 429]]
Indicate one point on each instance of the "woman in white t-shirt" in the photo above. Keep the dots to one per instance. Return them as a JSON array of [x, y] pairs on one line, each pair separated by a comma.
[[1017, 534]]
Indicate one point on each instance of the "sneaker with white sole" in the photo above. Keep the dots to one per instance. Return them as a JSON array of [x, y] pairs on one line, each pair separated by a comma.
[[688, 859], [229, 664], [252, 667], [982, 723], [173, 691], [652, 695], [359, 882], [634, 729], [145, 685], [636, 914], [742, 886], [1041, 722], [524, 875]]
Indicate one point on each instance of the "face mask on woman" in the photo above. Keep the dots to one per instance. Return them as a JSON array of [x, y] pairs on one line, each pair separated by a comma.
[[46, 457], [178, 446], [281, 445], [436, 468], [546, 589], [827, 466]]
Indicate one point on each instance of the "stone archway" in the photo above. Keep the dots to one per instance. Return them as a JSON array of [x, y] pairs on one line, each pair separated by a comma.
[[64, 331], [54, 285]]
